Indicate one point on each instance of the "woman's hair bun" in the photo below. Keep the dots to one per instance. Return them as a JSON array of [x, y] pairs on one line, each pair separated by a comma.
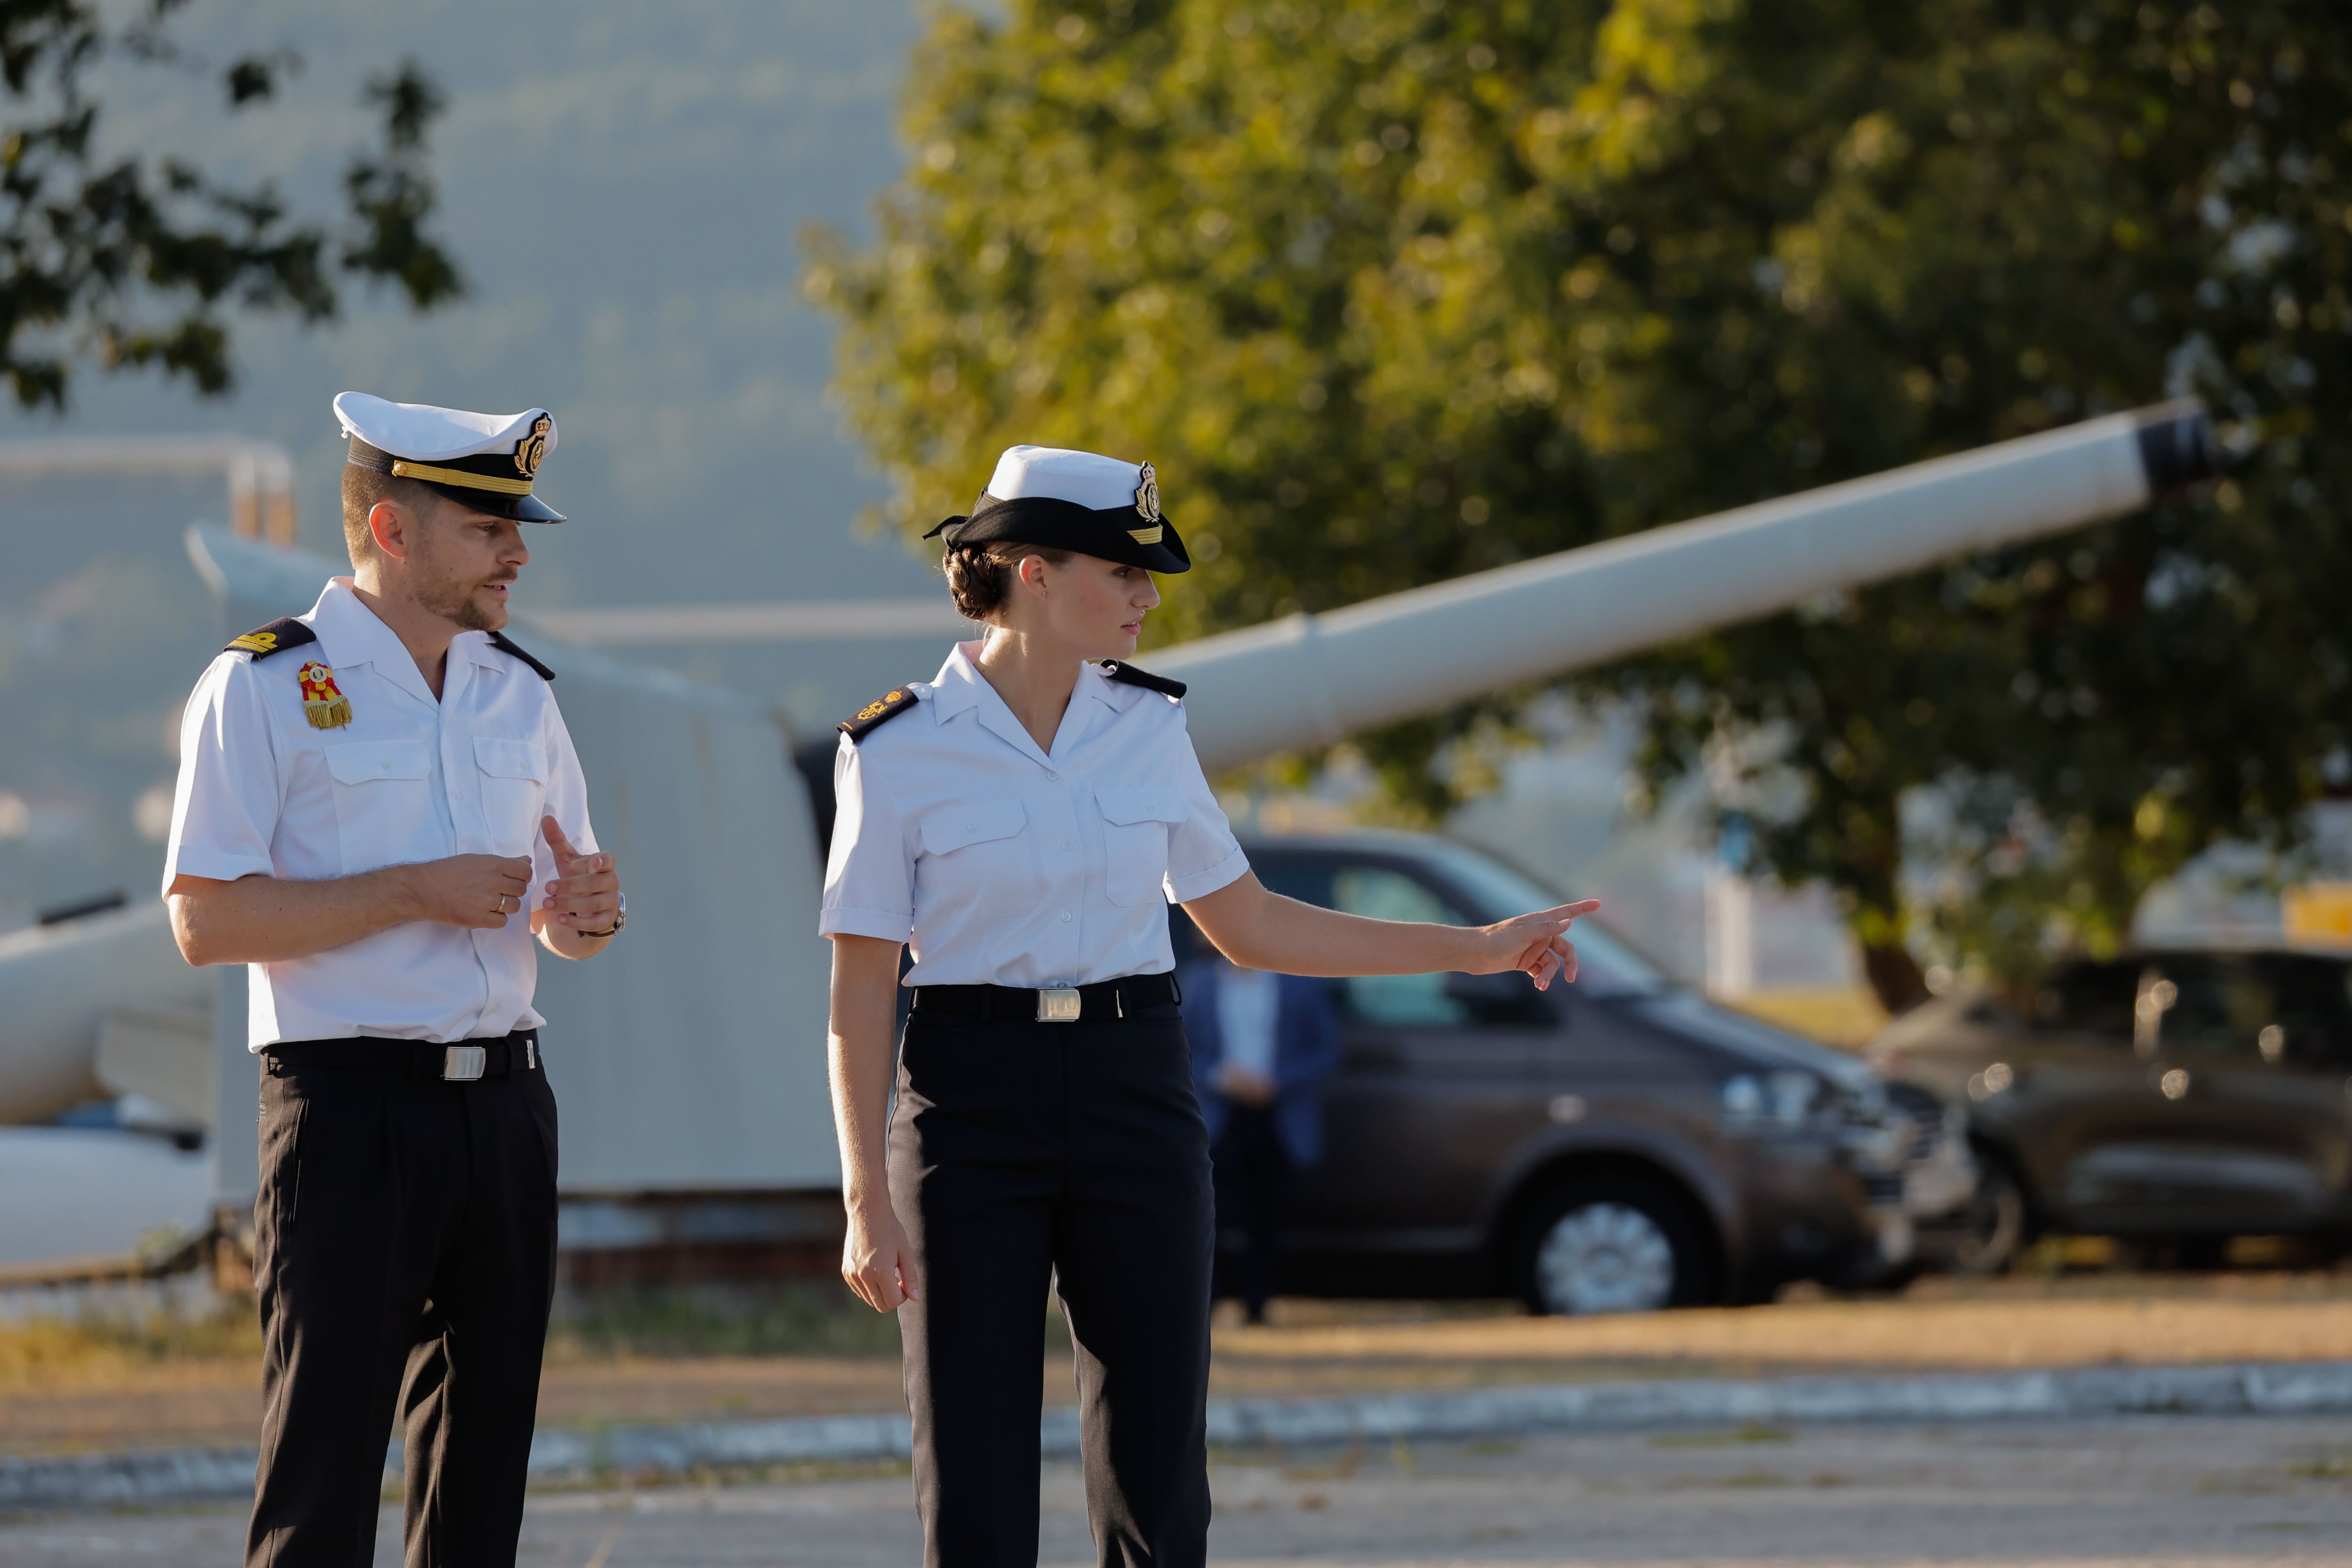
[[980, 576]]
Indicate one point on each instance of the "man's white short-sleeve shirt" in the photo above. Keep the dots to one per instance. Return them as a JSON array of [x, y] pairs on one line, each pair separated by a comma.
[[1004, 864], [409, 779]]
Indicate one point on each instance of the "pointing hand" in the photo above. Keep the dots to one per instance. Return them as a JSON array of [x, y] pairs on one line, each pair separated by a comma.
[[586, 890]]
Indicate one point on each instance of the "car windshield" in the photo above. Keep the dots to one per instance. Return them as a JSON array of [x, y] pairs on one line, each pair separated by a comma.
[[1605, 965]]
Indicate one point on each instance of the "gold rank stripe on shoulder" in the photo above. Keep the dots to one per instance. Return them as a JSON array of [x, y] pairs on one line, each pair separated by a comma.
[[276, 637], [879, 711]]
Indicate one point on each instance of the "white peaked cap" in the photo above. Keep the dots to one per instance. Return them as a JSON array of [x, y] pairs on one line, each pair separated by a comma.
[[431, 435], [1090, 481]]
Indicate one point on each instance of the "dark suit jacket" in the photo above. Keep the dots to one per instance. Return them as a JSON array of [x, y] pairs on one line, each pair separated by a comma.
[[1306, 1049]]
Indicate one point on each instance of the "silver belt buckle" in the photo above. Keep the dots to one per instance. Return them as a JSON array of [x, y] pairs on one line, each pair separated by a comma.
[[1062, 1005], [463, 1064]]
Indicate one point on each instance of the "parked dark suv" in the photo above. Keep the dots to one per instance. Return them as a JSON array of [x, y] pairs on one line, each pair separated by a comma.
[[2179, 1097], [1619, 1144]]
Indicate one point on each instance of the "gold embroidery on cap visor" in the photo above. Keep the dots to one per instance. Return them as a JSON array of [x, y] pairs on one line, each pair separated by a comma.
[[495, 485], [1146, 535], [531, 450]]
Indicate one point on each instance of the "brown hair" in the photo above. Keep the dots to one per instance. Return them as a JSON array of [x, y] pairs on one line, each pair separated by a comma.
[[362, 487], [980, 576]]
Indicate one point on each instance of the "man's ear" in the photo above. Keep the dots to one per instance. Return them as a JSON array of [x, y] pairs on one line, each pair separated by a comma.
[[390, 524]]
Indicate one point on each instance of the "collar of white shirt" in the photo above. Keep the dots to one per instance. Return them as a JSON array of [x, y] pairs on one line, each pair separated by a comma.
[[352, 635], [959, 687]]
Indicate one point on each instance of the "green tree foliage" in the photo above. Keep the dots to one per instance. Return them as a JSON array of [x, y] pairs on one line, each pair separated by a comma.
[[1396, 289], [131, 261]]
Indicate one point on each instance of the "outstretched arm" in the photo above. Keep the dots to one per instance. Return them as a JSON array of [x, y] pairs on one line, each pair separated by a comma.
[[1262, 930]]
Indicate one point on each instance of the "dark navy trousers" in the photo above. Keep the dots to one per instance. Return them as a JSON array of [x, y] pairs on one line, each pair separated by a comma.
[[405, 1264], [1025, 1154]]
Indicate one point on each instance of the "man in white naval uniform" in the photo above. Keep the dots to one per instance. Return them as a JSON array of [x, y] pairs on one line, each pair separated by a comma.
[[369, 796]]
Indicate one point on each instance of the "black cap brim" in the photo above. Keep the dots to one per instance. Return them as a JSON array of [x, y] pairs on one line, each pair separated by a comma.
[[1117, 533]]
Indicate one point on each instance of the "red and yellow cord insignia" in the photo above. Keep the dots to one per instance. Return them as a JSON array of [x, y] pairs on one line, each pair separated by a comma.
[[322, 703]]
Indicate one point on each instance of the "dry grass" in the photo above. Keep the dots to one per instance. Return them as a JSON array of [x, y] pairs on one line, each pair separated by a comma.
[[1990, 1332], [100, 1386], [109, 1353], [1838, 1015]]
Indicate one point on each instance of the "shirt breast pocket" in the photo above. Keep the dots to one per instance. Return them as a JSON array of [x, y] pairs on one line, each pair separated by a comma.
[[514, 791], [384, 803], [1136, 824], [979, 857]]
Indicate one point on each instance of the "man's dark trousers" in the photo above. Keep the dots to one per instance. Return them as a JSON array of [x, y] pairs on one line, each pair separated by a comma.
[[405, 1263]]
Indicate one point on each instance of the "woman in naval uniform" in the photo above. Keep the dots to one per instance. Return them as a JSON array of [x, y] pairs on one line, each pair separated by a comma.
[[1017, 821]]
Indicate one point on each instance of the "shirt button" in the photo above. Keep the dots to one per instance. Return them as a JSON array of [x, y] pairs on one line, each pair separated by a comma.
[[1066, 915], [1055, 776]]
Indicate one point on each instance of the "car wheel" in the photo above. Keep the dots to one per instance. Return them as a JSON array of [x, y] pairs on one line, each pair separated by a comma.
[[1612, 1244], [1996, 1229]]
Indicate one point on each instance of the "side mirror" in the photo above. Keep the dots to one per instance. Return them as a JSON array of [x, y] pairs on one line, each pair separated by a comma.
[[1507, 998]]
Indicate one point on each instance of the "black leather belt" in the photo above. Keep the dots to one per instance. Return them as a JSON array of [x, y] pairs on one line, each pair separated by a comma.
[[464, 1061], [1060, 1004]]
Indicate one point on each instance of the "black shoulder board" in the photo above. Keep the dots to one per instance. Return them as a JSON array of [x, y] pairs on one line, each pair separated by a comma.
[[1143, 677], [276, 637], [499, 640], [878, 712]]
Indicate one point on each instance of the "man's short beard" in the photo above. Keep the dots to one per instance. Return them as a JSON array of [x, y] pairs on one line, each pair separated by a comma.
[[453, 600]]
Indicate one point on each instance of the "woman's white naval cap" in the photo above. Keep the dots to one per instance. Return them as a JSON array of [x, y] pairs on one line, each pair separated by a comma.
[[1073, 500], [486, 461]]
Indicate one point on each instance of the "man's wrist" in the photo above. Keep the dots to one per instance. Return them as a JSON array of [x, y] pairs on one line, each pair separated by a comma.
[[403, 895], [620, 919]]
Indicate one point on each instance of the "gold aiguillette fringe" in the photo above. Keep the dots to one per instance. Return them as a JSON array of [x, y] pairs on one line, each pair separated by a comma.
[[328, 715]]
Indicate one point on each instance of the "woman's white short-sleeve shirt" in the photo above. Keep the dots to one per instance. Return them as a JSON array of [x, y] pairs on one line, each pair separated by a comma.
[[998, 862]]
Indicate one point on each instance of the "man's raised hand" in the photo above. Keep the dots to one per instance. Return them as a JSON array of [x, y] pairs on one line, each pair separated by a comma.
[[586, 891]]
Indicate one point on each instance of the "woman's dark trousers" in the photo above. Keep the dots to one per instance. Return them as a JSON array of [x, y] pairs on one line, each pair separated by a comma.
[[1022, 1154]]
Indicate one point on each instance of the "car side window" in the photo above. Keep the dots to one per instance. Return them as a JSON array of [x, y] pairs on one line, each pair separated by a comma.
[[2216, 1006], [2313, 1028], [2088, 999], [1406, 1001]]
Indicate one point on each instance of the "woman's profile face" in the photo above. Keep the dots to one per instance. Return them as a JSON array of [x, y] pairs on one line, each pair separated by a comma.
[[1094, 606]]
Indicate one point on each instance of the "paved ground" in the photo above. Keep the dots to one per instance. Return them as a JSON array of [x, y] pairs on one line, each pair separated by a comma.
[[2168, 1489]]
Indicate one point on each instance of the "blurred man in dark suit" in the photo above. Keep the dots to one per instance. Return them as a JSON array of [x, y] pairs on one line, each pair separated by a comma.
[[1262, 1045]]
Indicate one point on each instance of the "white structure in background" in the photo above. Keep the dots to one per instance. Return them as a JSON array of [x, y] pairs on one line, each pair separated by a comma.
[[1312, 680], [837, 620], [1730, 934], [259, 474], [690, 1059]]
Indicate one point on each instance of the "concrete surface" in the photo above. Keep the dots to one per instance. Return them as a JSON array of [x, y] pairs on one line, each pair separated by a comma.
[[2083, 1493]]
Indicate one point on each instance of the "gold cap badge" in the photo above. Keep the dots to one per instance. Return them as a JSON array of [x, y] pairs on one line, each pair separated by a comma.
[[1146, 497], [531, 450]]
